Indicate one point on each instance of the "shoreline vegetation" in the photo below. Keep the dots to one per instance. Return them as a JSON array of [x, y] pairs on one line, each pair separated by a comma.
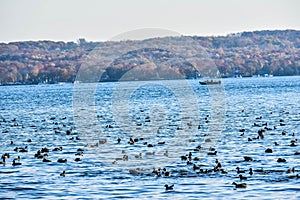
[[246, 54]]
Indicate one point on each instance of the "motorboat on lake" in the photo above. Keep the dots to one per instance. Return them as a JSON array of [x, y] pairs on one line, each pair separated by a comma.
[[211, 82]]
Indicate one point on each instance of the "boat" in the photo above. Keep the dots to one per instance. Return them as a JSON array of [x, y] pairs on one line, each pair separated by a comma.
[[211, 82]]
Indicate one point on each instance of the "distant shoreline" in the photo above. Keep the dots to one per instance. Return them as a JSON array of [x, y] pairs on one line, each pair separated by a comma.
[[244, 54], [113, 81]]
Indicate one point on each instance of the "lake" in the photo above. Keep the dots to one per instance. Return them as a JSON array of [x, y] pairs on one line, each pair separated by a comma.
[[158, 124]]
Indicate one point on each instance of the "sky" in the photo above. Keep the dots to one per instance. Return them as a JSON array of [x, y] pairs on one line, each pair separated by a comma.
[[101, 20]]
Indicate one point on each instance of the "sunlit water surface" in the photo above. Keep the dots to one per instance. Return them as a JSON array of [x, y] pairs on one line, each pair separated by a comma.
[[156, 113]]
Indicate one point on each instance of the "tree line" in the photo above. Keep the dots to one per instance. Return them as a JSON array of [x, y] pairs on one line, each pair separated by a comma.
[[274, 52]]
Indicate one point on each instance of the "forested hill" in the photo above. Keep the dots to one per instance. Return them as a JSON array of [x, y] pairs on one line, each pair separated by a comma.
[[248, 53]]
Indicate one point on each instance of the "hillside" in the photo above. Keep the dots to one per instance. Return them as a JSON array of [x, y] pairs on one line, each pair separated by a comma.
[[246, 54]]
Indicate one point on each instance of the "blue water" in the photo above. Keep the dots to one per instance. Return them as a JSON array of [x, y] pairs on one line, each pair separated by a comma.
[[183, 114]]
